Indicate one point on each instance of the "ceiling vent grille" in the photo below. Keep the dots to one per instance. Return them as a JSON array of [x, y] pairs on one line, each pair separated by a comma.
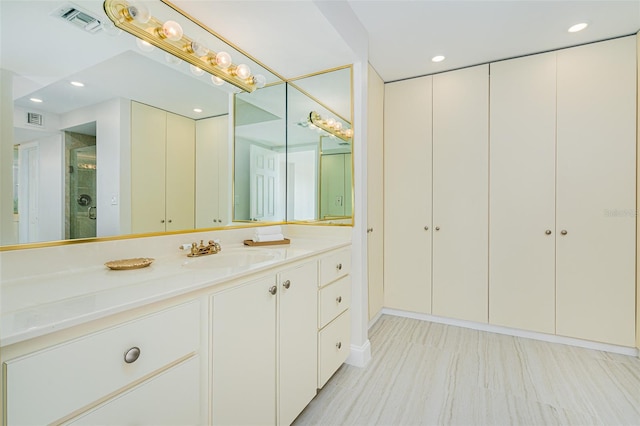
[[35, 119], [79, 17]]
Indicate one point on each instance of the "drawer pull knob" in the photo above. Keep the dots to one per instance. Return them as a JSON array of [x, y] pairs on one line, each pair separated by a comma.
[[339, 299], [132, 355], [563, 232], [286, 284], [339, 266], [273, 289], [339, 345], [548, 232]]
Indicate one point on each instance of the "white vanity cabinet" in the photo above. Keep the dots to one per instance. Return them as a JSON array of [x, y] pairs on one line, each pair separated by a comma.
[[264, 348], [61, 382], [334, 324]]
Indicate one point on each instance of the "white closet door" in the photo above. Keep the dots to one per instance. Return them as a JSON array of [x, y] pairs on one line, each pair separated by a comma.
[[522, 193], [460, 193], [596, 191], [181, 166], [407, 189]]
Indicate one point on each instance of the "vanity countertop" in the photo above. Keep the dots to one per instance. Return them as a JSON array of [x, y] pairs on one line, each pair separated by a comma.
[[40, 304]]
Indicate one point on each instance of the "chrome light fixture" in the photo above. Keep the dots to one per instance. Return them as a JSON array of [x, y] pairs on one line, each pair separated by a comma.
[[168, 36], [331, 126]]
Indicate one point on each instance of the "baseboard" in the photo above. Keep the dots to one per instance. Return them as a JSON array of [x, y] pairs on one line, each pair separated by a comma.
[[375, 319], [359, 355], [552, 338]]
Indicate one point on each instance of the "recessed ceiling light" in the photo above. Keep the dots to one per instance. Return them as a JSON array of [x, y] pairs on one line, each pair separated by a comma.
[[578, 27], [36, 100], [438, 58], [77, 84], [197, 110]]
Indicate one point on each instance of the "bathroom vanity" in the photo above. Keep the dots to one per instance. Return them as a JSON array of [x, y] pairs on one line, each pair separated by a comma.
[[244, 336]]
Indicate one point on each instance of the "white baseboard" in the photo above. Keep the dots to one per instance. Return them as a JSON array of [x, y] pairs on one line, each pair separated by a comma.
[[360, 355], [375, 319], [552, 338]]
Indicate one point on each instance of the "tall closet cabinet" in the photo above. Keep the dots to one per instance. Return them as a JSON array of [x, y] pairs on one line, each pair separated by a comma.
[[532, 188]]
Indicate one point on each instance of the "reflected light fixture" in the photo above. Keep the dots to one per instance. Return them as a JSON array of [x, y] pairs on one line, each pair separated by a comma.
[[578, 27], [438, 58], [36, 100], [77, 84], [135, 19], [329, 125]]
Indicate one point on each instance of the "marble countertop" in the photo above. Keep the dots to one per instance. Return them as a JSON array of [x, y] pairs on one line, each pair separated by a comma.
[[38, 305]]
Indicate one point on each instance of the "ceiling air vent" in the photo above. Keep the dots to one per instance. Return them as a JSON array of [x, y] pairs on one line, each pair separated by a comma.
[[35, 119], [79, 17]]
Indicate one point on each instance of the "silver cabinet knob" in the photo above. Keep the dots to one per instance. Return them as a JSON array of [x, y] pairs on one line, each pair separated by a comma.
[[132, 355], [339, 266], [437, 228], [273, 289], [339, 345], [426, 228], [339, 299], [548, 232], [286, 284], [563, 232]]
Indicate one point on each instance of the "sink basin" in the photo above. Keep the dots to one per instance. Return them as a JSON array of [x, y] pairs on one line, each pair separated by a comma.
[[233, 259]]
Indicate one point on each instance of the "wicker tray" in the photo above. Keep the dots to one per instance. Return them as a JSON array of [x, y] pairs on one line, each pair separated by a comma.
[[266, 243]]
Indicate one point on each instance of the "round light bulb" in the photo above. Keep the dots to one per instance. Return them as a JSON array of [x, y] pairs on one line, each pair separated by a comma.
[[260, 81], [139, 13], [578, 27], [195, 70], [199, 48], [348, 133], [217, 80], [243, 71], [170, 59], [145, 46], [331, 122], [338, 125], [223, 59], [172, 30]]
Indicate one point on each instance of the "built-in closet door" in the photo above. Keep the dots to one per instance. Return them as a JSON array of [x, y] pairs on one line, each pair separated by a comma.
[[375, 199], [407, 189], [522, 193], [212, 194], [596, 214], [181, 166], [460, 193], [148, 154]]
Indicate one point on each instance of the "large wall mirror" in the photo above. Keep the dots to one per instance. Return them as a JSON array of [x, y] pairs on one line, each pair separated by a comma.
[[287, 167], [113, 137]]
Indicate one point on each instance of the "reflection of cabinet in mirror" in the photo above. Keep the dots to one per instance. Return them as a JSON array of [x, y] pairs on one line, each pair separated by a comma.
[[162, 170], [212, 171], [335, 187]]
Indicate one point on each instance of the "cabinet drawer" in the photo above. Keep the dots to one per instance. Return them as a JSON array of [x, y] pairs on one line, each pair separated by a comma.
[[334, 342], [50, 384], [334, 266], [334, 299]]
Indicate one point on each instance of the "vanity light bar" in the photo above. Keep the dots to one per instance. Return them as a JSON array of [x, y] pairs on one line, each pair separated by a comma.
[[168, 36], [331, 126]]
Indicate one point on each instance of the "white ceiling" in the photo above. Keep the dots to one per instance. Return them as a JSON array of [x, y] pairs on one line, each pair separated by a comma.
[[294, 37]]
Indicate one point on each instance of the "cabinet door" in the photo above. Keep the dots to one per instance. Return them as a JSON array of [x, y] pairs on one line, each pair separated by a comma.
[[522, 195], [180, 177], [244, 355], [212, 195], [170, 398], [148, 135], [298, 354], [596, 191], [407, 189], [375, 201], [460, 193]]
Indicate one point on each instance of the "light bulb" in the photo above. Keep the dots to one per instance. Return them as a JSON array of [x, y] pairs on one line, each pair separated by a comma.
[[172, 30], [260, 81], [331, 122], [217, 80], [170, 59], [243, 71], [338, 125], [199, 48], [139, 13], [348, 133], [223, 60], [195, 70], [145, 46]]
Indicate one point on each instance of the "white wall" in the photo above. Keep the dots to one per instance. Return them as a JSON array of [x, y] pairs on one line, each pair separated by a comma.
[[303, 197], [51, 191], [8, 230]]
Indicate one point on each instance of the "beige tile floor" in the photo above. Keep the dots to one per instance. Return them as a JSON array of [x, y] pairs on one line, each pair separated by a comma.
[[424, 373]]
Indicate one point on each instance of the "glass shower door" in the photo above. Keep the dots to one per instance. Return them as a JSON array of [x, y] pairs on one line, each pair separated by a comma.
[[83, 196]]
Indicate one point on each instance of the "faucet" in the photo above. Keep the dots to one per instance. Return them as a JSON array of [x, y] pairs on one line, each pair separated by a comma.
[[212, 247]]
